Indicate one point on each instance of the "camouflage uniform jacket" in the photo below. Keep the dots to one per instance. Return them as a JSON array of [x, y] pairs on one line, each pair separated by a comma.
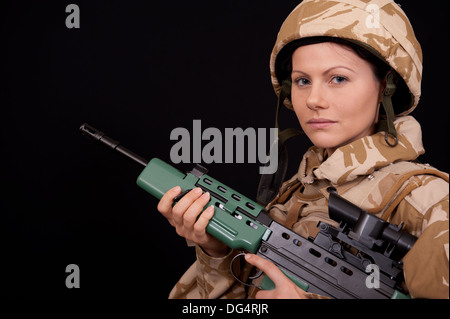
[[379, 179]]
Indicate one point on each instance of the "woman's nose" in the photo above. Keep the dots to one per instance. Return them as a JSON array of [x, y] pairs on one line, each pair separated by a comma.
[[316, 99]]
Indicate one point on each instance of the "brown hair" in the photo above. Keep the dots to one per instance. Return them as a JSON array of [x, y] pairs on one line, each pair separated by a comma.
[[379, 66], [284, 59]]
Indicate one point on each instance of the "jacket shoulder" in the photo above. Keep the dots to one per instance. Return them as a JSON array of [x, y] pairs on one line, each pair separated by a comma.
[[379, 191]]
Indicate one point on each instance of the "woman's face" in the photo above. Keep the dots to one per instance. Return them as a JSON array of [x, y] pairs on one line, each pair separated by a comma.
[[335, 94]]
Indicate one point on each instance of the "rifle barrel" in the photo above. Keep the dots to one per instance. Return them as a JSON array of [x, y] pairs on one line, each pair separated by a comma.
[[99, 136]]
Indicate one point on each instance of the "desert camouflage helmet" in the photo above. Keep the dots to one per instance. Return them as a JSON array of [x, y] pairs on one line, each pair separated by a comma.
[[380, 26]]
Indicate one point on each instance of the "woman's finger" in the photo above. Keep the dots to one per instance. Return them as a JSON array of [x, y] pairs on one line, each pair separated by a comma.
[[274, 273], [181, 207], [166, 202], [192, 213], [202, 222]]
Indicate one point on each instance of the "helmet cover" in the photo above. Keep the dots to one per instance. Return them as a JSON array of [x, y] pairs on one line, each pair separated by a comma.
[[380, 26]]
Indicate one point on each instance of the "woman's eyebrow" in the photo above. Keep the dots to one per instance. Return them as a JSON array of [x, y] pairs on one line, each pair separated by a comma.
[[338, 67], [327, 70]]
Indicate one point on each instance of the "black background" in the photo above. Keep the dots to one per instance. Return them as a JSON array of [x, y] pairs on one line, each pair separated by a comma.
[[136, 70]]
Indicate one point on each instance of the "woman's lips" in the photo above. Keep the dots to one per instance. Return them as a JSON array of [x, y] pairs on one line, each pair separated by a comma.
[[320, 123]]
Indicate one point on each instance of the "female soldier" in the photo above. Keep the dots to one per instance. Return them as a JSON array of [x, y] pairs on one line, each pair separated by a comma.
[[353, 71]]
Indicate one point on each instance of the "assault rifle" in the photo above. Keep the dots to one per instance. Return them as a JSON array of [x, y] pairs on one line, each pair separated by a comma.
[[359, 259]]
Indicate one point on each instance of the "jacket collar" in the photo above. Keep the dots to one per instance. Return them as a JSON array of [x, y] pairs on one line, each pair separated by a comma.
[[364, 156]]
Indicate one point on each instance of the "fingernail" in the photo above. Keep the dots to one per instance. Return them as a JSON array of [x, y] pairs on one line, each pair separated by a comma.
[[176, 189], [210, 209], [197, 190], [205, 195], [247, 256]]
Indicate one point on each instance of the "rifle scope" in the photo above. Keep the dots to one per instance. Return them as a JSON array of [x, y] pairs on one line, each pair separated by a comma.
[[367, 228]]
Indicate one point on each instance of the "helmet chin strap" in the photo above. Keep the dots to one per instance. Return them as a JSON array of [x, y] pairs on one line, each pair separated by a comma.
[[285, 93], [270, 184], [387, 124]]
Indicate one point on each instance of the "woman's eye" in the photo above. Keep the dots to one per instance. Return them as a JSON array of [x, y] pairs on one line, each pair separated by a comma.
[[338, 79], [302, 81]]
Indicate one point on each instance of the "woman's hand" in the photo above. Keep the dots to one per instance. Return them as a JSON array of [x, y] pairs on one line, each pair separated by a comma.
[[284, 287], [189, 221]]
